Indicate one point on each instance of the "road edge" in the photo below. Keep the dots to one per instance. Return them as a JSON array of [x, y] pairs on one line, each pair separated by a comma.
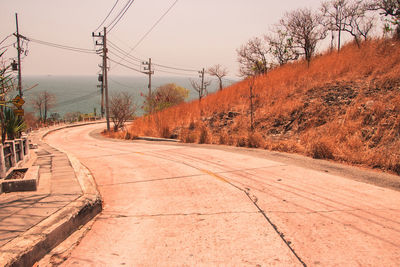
[[35, 243]]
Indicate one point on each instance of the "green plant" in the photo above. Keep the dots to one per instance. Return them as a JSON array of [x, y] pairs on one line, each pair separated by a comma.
[[13, 125]]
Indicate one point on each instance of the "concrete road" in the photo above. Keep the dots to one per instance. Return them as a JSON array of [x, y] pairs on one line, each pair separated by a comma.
[[174, 205]]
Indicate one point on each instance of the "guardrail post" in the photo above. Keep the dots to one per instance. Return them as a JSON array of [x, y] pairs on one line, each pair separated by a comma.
[[13, 158], [25, 142], [3, 170], [20, 152]]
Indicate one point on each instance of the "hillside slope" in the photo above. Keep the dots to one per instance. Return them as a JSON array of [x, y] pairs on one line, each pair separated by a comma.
[[344, 107]]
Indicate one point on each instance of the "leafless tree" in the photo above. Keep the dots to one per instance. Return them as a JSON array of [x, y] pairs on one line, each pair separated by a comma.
[[334, 17], [122, 109], [349, 16], [43, 102], [281, 46], [391, 9], [253, 57], [201, 90], [219, 72], [305, 28]]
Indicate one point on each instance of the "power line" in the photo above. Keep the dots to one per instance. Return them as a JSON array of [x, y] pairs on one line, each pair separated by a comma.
[[119, 16], [176, 73], [120, 50], [78, 99], [65, 47], [123, 65], [174, 68], [124, 59], [6, 38], [151, 29], [109, 13]]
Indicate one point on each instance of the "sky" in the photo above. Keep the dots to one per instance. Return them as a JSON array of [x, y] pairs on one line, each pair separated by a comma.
[[194, 34]]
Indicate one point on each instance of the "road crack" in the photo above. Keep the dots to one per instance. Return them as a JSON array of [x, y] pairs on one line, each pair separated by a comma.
[[254, 200]]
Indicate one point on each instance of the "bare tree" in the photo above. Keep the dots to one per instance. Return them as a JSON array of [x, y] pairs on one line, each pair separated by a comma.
[[305, 27], [281, 46], [391, 9], [219, 72], [122, 109], [334, 17], [37, 103], [201, 90], [253, 58], [349, 16], [43, 102]]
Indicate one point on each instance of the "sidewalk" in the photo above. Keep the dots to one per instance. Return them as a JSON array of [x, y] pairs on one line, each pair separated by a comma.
[[31, 223]]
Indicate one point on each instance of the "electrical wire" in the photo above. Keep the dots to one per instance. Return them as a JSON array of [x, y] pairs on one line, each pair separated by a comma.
[[124, 85], [124, 59], [65, 47], [174, 68], [119, 16], [78, 99], [109, 13], [120, 50], [175, 73], [6, 38], [152, 28], [123, 65]]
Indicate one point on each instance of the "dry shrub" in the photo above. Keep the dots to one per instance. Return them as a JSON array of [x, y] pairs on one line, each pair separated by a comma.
[[165, 132], [283, 146], [204, 137], [241, 141], [320, 149], [188, 136], [223, 138], [255, 140]]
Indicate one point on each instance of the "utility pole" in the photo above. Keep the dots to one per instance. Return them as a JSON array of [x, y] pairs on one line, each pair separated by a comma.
[[19, 57], [104, 70], [101, 86], [202, 80], [149, 72]]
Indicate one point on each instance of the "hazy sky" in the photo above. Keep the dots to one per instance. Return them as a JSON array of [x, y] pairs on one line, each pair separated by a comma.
[[194, 34]]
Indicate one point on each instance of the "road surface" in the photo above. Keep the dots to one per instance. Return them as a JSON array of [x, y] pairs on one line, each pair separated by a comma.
[[170, 205]]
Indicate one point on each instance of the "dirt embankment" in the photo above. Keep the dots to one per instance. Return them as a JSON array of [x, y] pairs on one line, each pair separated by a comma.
[[344, 107]]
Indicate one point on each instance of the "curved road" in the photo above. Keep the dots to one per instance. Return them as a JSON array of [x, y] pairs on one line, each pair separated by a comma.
[[169, 205]]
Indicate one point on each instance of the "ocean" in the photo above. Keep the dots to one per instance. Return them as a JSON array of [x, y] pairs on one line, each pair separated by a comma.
[[81, 94]]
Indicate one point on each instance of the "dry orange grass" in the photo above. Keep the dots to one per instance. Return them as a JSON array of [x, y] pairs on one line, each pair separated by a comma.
[[344, 107]]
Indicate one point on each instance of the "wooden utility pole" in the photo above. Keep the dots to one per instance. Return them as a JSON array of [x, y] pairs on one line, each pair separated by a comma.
[[202, 80], [19, 57], [149, 72], [105, 77], [104, 71]]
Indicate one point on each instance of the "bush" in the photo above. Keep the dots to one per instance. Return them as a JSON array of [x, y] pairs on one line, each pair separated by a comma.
[[320, 150], [255, 140], [204, 135]]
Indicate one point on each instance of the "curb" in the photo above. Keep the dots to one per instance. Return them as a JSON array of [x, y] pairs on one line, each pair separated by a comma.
[[35, 243], [157, 139]]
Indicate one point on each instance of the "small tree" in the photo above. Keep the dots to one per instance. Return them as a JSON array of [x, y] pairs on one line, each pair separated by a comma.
[[165, 96], [201, 90], [122, 109], [219, 72], [253, 58], [42, 102], [281, 46], [305, 28]]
